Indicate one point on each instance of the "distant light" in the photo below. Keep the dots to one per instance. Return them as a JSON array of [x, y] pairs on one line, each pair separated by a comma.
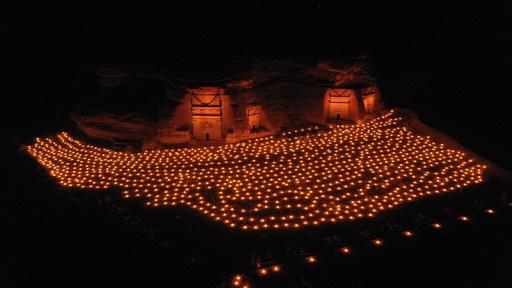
[[345, 250], [490, 211], [276, 268], [311, 259], [408, 233], [464, 218], [437, 225], [263, 272], [377, 242], [236, 280]]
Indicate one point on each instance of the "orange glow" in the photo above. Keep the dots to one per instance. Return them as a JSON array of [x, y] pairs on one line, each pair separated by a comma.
[[237, 280], [490, 211], [377, 242], [437, 226], [305, 177], [464, 218], [263, 272], [276, 268], [345, 250], [408, 234], [311, 259]]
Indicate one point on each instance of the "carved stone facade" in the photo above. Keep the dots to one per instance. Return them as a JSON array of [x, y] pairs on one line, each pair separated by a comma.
[[207, 113], [350, 104], [254, 117]]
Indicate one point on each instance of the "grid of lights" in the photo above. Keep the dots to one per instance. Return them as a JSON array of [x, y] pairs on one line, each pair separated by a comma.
[[304, 177]]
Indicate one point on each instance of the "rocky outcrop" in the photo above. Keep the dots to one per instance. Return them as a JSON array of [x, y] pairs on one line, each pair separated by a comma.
[[110, 127], [139, 105]]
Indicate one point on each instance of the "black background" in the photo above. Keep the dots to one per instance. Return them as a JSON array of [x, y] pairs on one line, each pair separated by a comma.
[[447, 62], [450, 63]]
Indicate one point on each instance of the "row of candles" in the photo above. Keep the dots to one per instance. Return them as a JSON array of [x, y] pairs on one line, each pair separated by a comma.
[[244, 280]]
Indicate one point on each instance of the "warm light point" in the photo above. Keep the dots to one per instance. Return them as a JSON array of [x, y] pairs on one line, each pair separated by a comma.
[[311, 259], [377, 242], [464, 218]]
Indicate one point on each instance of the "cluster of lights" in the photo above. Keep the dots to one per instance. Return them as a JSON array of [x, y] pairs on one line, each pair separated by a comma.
[[239, 281], [266, 271], [304, 177]]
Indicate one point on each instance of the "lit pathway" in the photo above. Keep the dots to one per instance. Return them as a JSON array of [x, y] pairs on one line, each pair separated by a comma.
[[305, 177]]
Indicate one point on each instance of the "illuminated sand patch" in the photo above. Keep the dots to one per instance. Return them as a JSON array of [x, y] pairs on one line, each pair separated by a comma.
[[305, 177]]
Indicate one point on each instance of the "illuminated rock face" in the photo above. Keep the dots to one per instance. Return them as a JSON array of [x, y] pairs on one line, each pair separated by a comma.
[[207, 128], [371, 99], [211, 116], [350, 104], [288, 95], [304, 177], [254, 117], [210, 113], [342, 104], [207, 114]]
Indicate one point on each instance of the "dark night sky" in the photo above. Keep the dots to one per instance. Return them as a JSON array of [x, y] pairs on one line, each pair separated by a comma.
[[448, 63]]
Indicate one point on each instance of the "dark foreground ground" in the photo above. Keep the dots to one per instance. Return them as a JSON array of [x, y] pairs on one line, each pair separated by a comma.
[[448, 63], [95, 239]]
